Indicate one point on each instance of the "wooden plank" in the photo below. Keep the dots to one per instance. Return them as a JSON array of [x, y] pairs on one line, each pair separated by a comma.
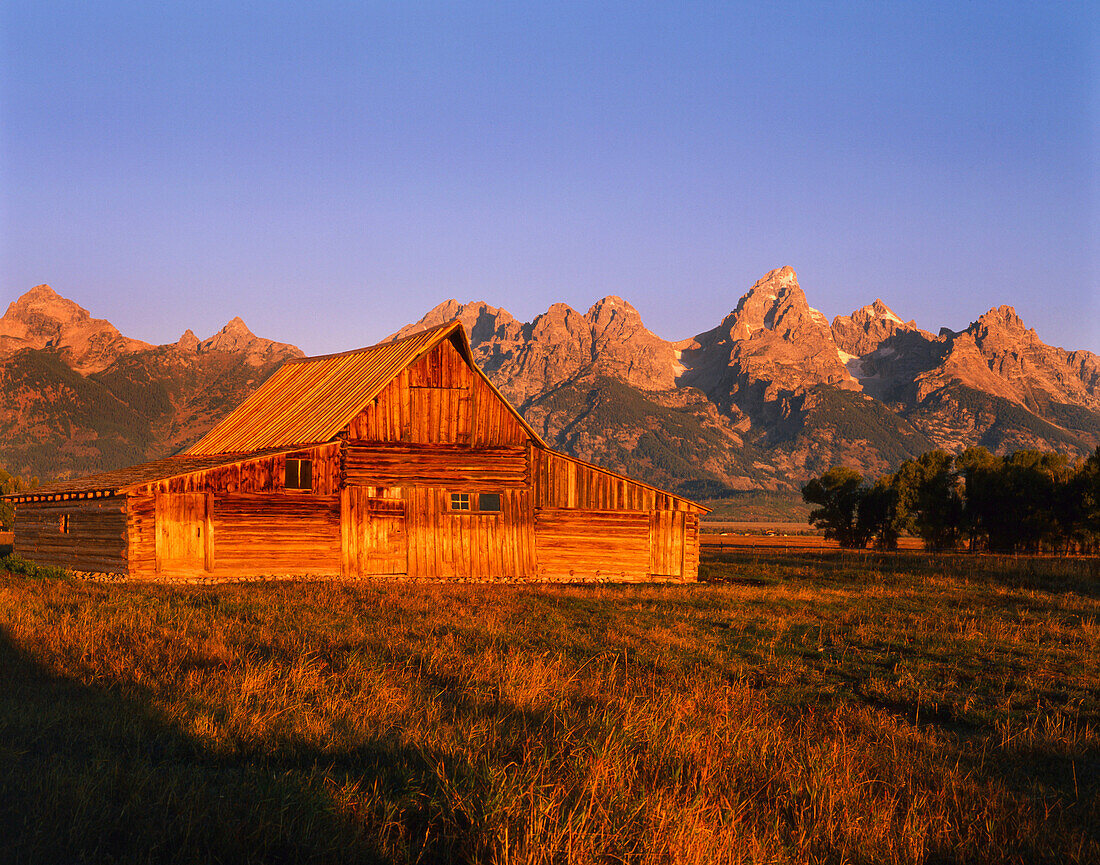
[[454, 466], [574, 544], [95, 540]]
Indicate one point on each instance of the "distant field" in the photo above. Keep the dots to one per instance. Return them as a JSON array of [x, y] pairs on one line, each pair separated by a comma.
[[801, 527], [777, 536], [801, 707], [759, 506]]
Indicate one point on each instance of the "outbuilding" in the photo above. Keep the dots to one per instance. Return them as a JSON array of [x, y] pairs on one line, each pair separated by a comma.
[[400, 460]]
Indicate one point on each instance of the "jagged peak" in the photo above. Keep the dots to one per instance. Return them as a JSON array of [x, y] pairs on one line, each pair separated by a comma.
[[479, 318], [42, 291], [42, 298], [188, 341], [236, 326], [1003, 315], [609, 306], [775, 297], [1000, 320], [881, 310], [773, 284]]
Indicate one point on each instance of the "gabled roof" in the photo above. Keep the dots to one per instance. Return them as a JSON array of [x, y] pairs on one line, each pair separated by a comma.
[[310, 399], [120, 480]]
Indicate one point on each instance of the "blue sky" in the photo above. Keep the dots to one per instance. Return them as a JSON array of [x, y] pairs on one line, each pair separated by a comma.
[[330, 171]]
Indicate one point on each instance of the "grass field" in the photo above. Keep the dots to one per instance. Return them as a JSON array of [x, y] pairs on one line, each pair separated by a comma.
[[802, 707]]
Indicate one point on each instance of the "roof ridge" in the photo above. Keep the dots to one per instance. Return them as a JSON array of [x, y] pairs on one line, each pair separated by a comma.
[[366, 348]]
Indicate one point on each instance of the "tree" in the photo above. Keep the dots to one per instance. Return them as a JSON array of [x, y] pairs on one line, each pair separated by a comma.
[[1032, 513], [1084, 503], [838, 492], [11, 484], [979, 471], [930, 497], [881, 513]]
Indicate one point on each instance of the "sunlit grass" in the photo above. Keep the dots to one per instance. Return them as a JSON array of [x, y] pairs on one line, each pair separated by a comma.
[[808, 709]]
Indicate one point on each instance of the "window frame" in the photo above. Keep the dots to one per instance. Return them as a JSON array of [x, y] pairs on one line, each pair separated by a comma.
[[300, 462], [472, 503], [498, 509]]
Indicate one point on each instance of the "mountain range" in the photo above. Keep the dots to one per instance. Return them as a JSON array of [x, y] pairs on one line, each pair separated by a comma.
[[772, 395]]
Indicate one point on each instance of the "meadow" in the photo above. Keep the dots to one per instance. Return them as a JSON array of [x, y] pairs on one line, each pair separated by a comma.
[[797, 707]]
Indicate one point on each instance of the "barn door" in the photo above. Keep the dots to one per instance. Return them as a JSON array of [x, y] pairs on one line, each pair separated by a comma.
[[666, 543], [373, 534], [183, 532]]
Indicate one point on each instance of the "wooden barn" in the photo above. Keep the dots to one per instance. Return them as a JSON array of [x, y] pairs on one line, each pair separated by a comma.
[[400, 460]]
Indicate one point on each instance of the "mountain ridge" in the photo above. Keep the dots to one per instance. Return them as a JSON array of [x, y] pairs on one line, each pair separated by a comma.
[[771, 395]]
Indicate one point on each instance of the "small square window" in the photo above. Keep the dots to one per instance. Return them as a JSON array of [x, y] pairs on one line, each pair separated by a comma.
[[63, 524], [460, 501], [488, 502], [299, 474]]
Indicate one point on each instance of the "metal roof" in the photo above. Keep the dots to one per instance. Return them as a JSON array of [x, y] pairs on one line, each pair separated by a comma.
[[311, 399], [120, 480]]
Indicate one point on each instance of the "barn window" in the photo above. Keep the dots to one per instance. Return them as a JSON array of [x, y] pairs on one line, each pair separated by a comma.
[[476, 503], [488, 502], [299, 474], [63, 524]]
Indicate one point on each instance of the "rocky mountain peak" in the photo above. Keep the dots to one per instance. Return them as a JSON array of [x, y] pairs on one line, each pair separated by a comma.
[[42, 318], [236, 337], [867, 328], [881, 310], [775, 301], [772, 342], [1001, 318], [606, 308], [482, 322], [188, 341]]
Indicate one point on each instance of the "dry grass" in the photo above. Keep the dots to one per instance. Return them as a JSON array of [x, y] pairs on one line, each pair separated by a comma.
[[809, 709]]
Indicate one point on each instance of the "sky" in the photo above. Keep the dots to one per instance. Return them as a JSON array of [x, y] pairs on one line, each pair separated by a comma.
[[329, 171]]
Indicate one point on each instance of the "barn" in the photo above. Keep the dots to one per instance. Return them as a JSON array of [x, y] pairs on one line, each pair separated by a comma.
[[396, 461]]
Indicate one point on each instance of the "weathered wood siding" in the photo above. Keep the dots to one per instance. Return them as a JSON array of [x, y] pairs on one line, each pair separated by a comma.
[[184, 536], [691, 547], [565, 482], [592, 545], [458, 467], [445, 544], [373, 532], [666, 544], [262, 475], [276, 535], [95, 541], [438, 400], [250, 535]]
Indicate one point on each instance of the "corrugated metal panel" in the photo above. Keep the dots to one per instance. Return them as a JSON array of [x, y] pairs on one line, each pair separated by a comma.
[[312, 399]]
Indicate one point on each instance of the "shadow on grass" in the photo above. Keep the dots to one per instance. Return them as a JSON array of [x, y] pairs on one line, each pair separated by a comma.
[[93, 774]]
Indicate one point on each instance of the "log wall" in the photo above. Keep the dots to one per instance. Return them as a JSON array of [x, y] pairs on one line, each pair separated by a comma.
[[460, 468], [438, 400], [95, 542]]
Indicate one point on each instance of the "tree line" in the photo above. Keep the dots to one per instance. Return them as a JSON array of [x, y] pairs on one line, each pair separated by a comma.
[[1026, 502]]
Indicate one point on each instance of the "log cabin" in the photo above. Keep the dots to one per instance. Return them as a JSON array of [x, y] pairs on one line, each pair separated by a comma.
[[396, 461]]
